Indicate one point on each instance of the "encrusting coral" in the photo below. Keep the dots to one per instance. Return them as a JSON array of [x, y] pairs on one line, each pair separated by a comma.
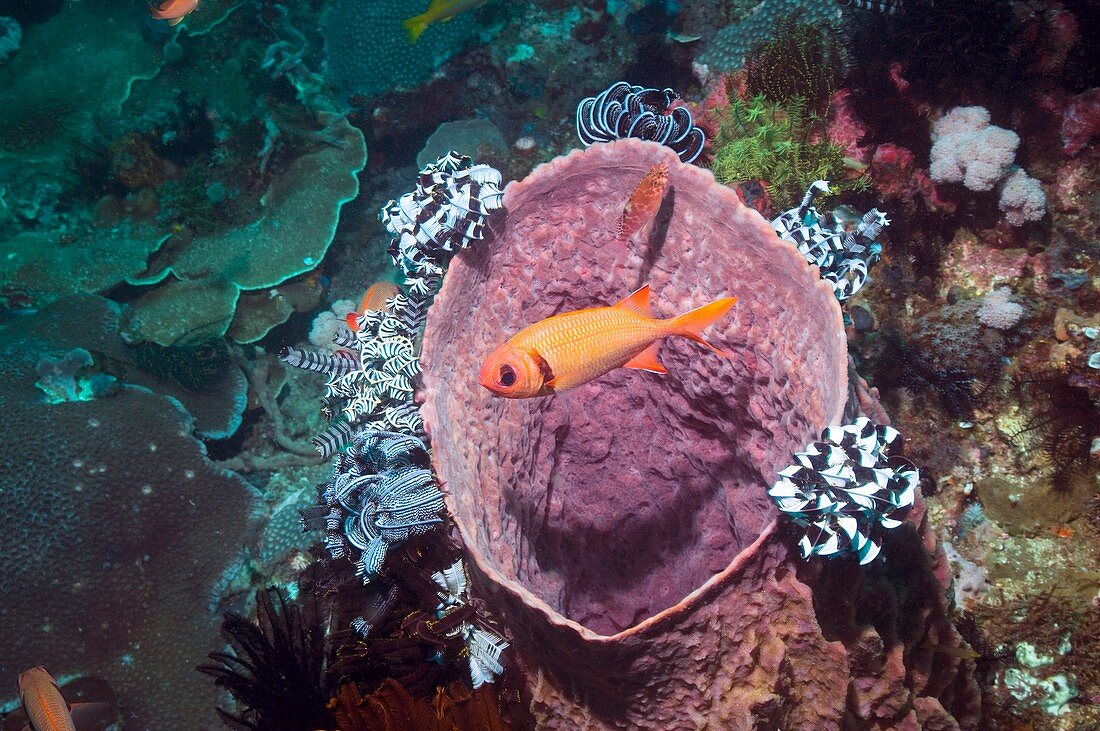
[[114, 509], [624, 528]]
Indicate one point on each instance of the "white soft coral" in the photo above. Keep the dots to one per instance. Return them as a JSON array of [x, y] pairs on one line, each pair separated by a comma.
[[1022, 199], [968, 149], [328, 323]]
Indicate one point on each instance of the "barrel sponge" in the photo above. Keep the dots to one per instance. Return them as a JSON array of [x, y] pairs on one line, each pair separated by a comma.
[[967, 149], [117, 532], [622, 528]]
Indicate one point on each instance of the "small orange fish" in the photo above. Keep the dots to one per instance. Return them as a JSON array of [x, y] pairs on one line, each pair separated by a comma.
[[375, 299], [643, 203], [47, 710], [174, 11], [573, 348]]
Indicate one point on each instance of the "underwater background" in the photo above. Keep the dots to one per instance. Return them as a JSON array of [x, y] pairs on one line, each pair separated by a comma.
[[257, 262]]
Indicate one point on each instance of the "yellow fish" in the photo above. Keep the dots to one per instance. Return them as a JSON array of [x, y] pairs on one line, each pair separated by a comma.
[[439, 10], [573, 348]]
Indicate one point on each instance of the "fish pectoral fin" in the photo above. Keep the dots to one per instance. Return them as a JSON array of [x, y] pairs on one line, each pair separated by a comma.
[[647, 360], [637, 302], [88, 716]]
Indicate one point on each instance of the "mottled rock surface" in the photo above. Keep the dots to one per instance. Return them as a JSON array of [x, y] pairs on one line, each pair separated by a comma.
[[622, 530]]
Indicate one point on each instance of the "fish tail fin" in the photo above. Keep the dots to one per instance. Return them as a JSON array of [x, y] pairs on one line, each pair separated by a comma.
[[691, 324], [415, 26]]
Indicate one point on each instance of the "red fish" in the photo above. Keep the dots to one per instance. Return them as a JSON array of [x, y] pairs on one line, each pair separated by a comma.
[[573, 348], [643, 203], [174, 11], [375, 299], [47, 710]]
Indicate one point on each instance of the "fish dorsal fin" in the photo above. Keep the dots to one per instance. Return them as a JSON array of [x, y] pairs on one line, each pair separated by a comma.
[[647, 360], [637, 302]]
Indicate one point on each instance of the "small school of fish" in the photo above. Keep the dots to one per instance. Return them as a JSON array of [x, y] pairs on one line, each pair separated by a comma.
[[439, 11], [570, 349], [643, 203], [174, 11], [375, 299]]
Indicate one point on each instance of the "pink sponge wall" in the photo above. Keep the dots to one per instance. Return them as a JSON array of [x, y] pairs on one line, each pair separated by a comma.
[[622, 530]]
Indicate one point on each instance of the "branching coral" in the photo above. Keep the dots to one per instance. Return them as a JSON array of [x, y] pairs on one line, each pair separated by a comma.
[[782, 146]]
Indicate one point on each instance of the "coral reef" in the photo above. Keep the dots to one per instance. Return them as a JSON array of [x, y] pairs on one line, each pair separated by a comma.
[[115, 501], [633, 571], [180, 202]]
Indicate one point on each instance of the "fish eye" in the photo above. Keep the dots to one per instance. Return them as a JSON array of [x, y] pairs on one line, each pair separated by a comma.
[[507, 375]]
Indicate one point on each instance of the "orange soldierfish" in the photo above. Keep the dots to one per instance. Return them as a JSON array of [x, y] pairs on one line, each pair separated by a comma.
[[375, 299], [174, 11], [573, 348], [643, 203]]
